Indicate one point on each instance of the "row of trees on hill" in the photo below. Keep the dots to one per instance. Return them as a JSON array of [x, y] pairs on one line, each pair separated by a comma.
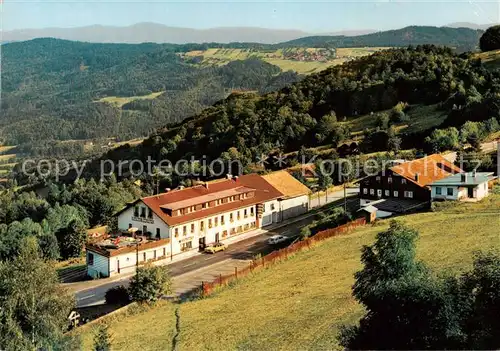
[[60, 221]]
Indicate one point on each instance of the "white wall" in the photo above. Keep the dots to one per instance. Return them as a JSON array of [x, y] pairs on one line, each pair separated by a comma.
[[127, 217], [294, 207], [271, 213], [459, 193]]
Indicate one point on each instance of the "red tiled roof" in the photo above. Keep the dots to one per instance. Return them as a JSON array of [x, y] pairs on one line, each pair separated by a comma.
[[263, 192], [429, 169]]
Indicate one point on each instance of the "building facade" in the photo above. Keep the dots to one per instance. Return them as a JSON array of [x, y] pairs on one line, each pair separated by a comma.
[[406, 180], [462, 187], [189, 219]]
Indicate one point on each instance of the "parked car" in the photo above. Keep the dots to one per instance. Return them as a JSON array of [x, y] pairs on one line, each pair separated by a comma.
[[216, 247], [276, 239]]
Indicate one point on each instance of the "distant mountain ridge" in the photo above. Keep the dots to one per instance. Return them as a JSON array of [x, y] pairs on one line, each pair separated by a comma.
[[159, 33]]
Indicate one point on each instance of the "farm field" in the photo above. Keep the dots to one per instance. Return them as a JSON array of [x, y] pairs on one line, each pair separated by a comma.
[[120, 101], [300, 303], [286, 59]]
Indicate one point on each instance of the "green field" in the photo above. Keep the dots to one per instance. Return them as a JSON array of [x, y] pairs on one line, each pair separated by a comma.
[[301, 302], [120, 101], [286, 59]]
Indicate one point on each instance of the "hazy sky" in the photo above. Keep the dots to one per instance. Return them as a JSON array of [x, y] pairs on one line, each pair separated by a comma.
[[312, 16]]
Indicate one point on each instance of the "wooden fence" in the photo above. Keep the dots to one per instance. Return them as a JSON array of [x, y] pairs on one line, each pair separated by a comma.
[[222, 280]]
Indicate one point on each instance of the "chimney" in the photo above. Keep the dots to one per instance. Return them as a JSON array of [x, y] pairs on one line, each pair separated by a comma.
[[416, 177], [463, 177]]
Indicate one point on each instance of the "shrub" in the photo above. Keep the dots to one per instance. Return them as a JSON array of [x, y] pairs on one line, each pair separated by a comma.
[[117, 295], [490, 40], [102, 340], [150, 283]]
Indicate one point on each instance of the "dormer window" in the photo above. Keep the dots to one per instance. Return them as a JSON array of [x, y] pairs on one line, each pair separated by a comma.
[[389, 180], [403, 181], [204, 205]]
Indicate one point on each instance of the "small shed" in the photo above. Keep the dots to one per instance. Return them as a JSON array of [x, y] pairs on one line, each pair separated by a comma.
[[370, 213]]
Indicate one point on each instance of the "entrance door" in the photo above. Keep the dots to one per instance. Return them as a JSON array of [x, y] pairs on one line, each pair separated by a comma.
[[118, 266], [217, 237], [470, 193], [144, 229], [202, 244]]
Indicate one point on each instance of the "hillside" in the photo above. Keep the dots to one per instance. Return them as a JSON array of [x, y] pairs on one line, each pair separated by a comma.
[[311, 113], [62, 90], [465, 39], [301, 303]]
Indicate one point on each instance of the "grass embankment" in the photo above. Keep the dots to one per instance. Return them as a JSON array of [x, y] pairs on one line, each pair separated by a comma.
[[300, 303]]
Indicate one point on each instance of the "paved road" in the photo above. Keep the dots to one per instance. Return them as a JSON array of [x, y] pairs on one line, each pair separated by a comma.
[[242, 250]]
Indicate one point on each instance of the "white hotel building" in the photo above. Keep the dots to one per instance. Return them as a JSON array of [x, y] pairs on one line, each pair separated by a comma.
[[184, 220]]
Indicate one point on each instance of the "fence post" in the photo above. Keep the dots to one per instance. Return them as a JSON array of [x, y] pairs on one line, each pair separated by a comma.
[[202, 288], [220, 279], [236, 272], [262, 261]]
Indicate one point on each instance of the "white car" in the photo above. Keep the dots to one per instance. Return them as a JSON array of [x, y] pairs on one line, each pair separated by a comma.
[[276, 239]]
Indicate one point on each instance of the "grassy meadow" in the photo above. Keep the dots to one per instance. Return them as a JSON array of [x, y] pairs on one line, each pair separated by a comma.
[[120, 101], [217, 57], [300, 303]]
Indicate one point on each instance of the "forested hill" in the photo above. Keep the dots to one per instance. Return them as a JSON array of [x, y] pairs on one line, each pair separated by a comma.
[[312, 112], [52, 89], [463, 38]]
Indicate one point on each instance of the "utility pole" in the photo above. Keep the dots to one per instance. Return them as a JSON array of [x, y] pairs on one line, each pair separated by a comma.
[[345, 197]]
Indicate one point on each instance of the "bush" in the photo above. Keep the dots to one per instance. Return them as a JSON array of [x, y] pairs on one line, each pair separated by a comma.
[[490, 39], [117, 295], [438, 206], [150, 283]]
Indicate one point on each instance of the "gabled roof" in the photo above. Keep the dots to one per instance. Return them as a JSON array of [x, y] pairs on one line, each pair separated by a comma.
[[465, 179], [287, 184], [262, 189], [429, 169]]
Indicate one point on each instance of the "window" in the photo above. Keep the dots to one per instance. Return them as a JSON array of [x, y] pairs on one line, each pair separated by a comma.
[[238, 215], [378, 178], [365, 191], [408, 194], [192, 227], [389, 180], [272, 207], [158, 236], [164, 252], [387, 193], [176, 231], [438, 190], [210, 222], [216, 221], [245, 214], [222, 220], [264, 207], [372, 191], [184, 230], [143, 212], [186, 246], [450, 191], [403, 181], [136, 211], [251, 211], [90, 260], [379, 192], [231, 218], [150, 213], [129, 225], [154, 254], [396, 194], [144, 256], [202, 225], [205, 205]]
